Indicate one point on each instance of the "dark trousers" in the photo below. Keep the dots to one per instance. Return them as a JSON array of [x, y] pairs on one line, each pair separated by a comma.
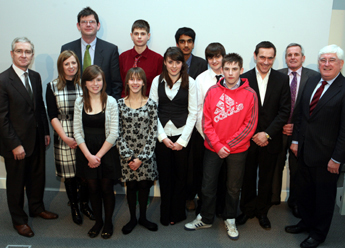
[[278, 173], [28, 173], [172, 169], [212, 167], [253, 203], [316, 199]]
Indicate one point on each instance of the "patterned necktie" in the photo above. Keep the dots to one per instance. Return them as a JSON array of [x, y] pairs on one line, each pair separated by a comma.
[[87, 58], [27, 85], [316, 97], [218, 77], [293, 90], [136, 59]]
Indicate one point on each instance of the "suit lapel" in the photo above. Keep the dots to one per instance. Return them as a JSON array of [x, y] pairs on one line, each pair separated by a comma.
[[77, 50], [270, 86], [98, 60], [34, 87], [253, 82], [19, 86]]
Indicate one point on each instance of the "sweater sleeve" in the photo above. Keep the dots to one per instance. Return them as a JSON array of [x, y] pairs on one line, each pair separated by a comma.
[[78, 122], [114, 121]]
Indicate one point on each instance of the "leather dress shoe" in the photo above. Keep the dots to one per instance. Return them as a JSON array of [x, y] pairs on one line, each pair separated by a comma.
[[24, 230], [76, 216], [48, 215], [148, 225], [294, 229], [242, 219], [264, 221], [310, 243], [86, 210], [295, 212]]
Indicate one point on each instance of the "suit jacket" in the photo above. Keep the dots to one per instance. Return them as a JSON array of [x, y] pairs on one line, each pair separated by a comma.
[[321, 135], [275, 111], [197, 66], [306, 73], [106, 57], [20, 117]]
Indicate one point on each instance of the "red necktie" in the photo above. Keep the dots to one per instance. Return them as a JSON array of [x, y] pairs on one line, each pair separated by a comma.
[[136, 60], [316, 97]]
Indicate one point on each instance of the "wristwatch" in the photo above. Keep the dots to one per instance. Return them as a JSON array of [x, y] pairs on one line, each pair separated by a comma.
[[267, 136]]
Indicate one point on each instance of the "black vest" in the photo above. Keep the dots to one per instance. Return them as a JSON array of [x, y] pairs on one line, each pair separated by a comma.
[[176, 109]]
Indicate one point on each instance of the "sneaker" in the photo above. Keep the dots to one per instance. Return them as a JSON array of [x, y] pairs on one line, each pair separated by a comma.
[[196, 224], [231, 229]]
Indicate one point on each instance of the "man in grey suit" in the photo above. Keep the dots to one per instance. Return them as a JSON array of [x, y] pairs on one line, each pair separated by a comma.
[[94, 51], [318, 141], [298, 76]]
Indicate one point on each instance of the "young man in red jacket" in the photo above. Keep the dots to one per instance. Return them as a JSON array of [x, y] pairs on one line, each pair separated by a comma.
[[229, 122]]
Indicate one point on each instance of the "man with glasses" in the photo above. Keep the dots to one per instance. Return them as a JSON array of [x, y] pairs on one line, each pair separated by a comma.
[[318, 141], [24, 134], [273, 91], [94, 51]]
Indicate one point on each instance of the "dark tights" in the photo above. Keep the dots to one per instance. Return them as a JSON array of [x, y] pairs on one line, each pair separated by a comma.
[[102, 189]]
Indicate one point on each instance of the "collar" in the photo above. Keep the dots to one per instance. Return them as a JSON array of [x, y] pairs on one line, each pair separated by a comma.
[[257, 72], [178, 81], [19, 71], [329, 81], [189, 60], [143, 54], [93, 43], [237, 85], [299, 71]]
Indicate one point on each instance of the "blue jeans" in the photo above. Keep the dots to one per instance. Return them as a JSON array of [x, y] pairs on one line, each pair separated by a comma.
[[235, 171]]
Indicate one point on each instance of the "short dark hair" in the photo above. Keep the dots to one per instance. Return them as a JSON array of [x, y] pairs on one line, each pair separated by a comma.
[[86, 12], [141, 24], [184, 31], [213, 49], [137, 73], [232, 58], [265, 44]]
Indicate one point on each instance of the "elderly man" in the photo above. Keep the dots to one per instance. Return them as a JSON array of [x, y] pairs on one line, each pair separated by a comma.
[[318, 141], [298, 76], [24, 134]]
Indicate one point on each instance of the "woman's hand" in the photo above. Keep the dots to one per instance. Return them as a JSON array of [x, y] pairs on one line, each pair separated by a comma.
[[177, 147], [168, 143], [71, 142], [135, 164], [94, 161]]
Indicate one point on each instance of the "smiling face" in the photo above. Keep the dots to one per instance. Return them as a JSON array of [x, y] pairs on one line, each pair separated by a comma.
[[22, 55], [215, 63], [232, 72], [70, 68], [95, 85], [264, 60], [174, 68], [140, 37], [330, 66], [135, 85], [294, 58], [186, 44], [88, 27]]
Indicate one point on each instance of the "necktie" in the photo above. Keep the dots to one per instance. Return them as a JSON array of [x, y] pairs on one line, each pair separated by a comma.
[[316, 97], [136, 59], [27, 85], [293, 90], [87, 58], [218, 77]]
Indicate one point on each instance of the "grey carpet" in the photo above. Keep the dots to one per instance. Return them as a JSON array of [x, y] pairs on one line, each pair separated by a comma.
[[64, 233]]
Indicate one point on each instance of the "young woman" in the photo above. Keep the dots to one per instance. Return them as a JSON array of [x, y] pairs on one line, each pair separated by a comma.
[[60, 96], [136, 144], [175, 93], [95, 131]]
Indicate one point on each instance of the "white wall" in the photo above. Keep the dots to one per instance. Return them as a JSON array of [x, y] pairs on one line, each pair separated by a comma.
[[238, 25]]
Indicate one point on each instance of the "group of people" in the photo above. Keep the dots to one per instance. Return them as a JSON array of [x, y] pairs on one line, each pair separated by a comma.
[[199, 126]]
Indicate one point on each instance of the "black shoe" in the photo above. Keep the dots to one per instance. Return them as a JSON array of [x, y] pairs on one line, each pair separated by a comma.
[[86, 210], [76, 216], [310, 243], [242, 219], [128, 228], [295, 212], [264, 221], [148, 224], [94, 231], [107, 232], [295, 229]]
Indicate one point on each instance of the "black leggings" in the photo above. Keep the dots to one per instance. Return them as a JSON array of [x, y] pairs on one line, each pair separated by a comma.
[[144, 189]]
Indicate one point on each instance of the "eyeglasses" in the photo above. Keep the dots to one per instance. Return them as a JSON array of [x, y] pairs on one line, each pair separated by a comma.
[[92, 22], [330, 61], [25, 52]]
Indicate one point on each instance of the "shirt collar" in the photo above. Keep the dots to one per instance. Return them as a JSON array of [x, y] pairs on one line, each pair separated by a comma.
[[257, 72], [144, 53], [237, 85], [330, 81], [299, 71], [93, 43], [189, 60], [19, 71]]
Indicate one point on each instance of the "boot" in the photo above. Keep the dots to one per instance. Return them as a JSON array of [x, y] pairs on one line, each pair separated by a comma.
[[84, 200], [71, 190]]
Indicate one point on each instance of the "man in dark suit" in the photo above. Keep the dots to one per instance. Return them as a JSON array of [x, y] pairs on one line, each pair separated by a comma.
[[24, 134], [298, 76], [94, 51], [185, 38], [272, 88], [318, 141]]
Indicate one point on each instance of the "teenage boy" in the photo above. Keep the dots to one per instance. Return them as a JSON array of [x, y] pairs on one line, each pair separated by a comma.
[[214, 54], [185, 38], [140, 55], [229, 122], [94, 51]]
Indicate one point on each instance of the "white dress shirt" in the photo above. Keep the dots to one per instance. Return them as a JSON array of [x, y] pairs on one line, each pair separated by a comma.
[[91, 50], [20, 74], [170, 129], [262, 84]]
